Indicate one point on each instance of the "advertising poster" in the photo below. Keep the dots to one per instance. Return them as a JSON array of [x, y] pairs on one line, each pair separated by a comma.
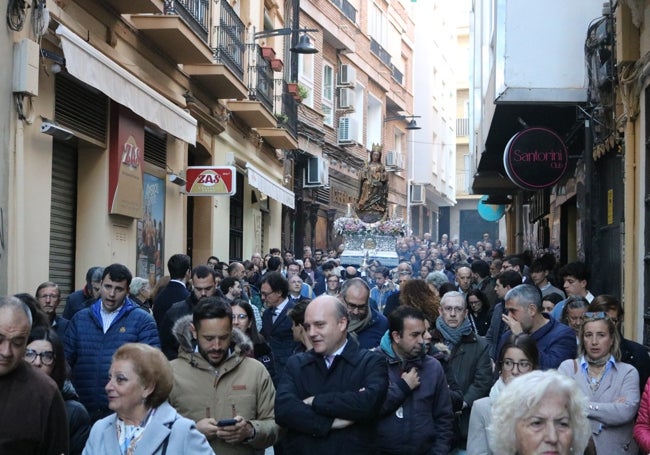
[[151, 230]]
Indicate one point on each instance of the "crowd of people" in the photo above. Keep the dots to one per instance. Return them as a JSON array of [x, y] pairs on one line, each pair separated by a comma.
[[456, 349]]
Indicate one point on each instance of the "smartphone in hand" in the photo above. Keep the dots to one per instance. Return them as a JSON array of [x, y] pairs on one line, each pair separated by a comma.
[[227, 422]]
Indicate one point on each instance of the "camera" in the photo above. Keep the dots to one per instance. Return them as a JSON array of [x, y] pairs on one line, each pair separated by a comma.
[[56, 131]]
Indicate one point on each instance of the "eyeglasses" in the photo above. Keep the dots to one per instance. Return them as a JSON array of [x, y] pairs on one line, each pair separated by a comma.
[[404, 272], [353, 307], [47, 357], [522, 365], [240, 316], [595, 315]]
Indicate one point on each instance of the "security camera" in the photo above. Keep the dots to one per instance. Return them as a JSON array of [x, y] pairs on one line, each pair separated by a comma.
[[56, 131], [177, 180]]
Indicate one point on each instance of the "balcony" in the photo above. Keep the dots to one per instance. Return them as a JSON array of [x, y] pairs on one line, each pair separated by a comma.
[[225, 78], [182, 32], [380, 52], [137, 6], [257, 110], [284, 136], [347, 8], [397, 75], [462, 127]]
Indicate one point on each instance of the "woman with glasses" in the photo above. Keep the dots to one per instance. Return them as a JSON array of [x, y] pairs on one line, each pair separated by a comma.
[[518, 357], [479, 313], [611, 386], [243, 318], [45, 352]]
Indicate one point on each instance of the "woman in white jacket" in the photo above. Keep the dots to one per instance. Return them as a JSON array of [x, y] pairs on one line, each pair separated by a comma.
[[144, 423]]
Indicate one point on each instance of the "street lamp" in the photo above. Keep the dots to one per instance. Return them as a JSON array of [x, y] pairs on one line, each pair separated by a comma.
[[303, 46], [410, 126]]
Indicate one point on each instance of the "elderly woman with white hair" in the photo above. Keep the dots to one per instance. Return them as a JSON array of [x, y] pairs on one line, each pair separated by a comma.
[[540, 412], [140, 293]]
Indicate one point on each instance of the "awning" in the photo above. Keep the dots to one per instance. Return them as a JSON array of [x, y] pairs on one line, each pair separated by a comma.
[[267, 186], [97, 70]]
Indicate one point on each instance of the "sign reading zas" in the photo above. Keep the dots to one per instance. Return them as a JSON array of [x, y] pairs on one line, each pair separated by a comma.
[[211, 180]]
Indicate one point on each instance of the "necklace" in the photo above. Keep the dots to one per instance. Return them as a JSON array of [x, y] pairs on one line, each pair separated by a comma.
[[594, 379]]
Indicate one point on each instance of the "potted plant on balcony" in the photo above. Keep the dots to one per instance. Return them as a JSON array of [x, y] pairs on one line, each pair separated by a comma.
[[292, 87], [276, 65], [268, 53], [282, 119], [303, 91]]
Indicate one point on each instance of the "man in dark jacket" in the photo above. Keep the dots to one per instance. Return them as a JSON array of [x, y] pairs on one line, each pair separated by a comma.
[[329, 398], [96, 332], [368, 324], [203, 285], [179, 266], [416, 417], [556, 342], [276, 323], [468, 361]]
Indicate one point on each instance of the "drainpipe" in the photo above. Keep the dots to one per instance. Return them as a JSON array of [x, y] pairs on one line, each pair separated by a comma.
[[631, 224]]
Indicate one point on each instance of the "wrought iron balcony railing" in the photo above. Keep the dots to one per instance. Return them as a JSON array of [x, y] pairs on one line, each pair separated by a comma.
[[260, 77], [229, 40], [194, 12]]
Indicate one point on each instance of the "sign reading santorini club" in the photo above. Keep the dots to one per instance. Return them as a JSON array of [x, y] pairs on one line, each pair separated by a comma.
[[535, 158], [210, 180]]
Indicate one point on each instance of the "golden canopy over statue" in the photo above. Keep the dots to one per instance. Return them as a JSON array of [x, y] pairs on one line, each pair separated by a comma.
[[372, 202]]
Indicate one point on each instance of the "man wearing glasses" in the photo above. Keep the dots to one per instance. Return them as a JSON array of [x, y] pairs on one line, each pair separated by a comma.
[[276, 324], [468, 363], [32, 417], [524, 313], [365, 322]]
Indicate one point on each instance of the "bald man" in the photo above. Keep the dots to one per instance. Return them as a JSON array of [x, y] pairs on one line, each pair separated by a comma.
[[330, 397]]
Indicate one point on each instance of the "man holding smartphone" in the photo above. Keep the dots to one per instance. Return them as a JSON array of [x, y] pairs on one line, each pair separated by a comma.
[[229, 395]]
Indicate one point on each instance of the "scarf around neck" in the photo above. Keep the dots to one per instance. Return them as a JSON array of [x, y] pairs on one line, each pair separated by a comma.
[[358, 326], [453, 335]]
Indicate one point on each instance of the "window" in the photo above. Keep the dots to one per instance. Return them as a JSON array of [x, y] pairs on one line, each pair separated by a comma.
[[328, 94], [306, 76]]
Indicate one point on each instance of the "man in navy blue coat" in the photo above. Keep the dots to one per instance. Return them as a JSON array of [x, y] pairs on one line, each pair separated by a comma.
[[417, 415], [556, 342], [329, 398], [96, 332]]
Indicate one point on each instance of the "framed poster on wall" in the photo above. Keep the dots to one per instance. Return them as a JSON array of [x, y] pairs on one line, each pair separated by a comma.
[[151, 230]]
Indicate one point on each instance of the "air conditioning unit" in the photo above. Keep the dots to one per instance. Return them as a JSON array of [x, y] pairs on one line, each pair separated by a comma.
[[347, 75], [346, 98], [316, 173], [417, 193], [347, 132], [394, 161]]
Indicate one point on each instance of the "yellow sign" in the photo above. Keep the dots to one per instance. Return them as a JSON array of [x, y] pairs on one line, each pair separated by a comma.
[[610, 206]]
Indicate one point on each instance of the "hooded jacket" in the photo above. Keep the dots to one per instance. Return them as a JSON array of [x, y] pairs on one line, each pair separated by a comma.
[[239, 386], [415, 421]]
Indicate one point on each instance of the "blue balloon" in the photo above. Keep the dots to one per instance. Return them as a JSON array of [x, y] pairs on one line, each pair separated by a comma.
[[490, 212]]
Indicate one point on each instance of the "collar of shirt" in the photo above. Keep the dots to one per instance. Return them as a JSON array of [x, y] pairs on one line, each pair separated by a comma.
[[279, 308], [610, 363]]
